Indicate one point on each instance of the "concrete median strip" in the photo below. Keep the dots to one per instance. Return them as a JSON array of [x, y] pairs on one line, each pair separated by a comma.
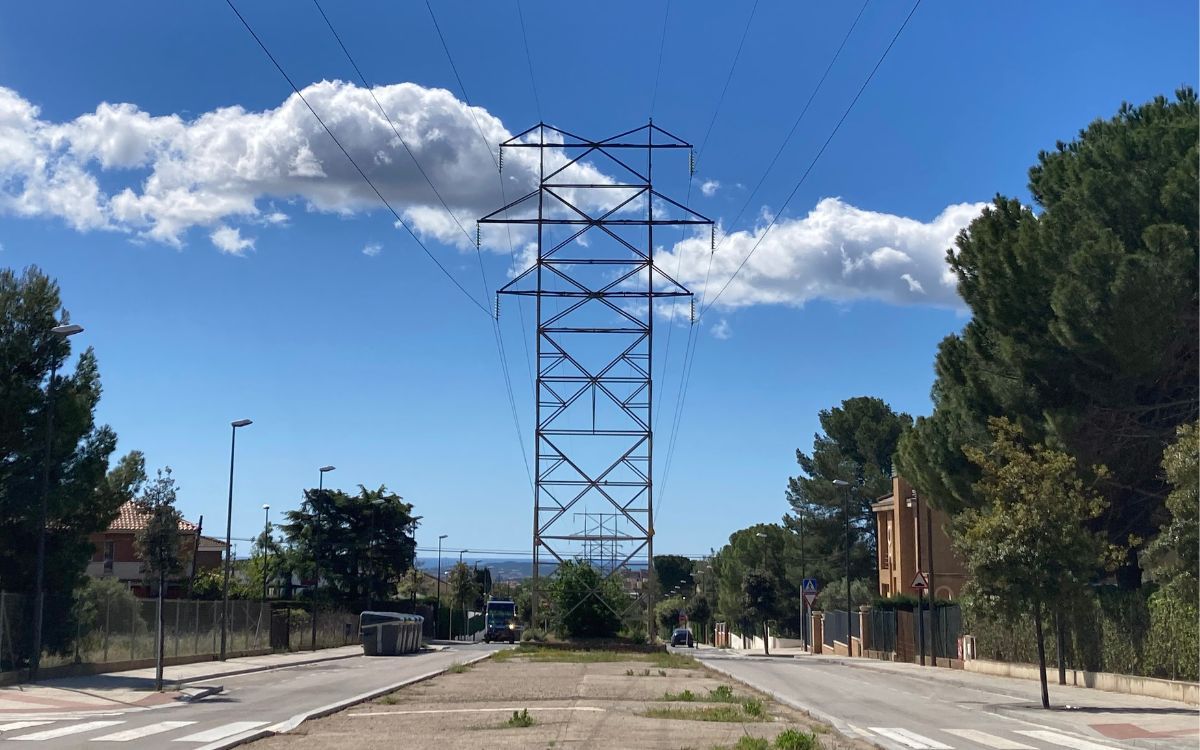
[[290, 724], [477, 710]]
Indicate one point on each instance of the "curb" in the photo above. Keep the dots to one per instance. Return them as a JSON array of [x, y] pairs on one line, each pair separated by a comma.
[[295, 721], [259, 668]]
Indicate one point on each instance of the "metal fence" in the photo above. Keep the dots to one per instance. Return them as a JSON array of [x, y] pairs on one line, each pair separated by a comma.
[[838, 626], [896, 632], [121, 628], [881, 630]]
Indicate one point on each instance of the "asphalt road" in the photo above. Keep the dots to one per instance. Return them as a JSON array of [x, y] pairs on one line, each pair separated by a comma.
[[903, 707], [249, 703]]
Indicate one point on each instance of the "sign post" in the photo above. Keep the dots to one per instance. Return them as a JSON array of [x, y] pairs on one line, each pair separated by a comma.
[[920, 583], [809, 588]]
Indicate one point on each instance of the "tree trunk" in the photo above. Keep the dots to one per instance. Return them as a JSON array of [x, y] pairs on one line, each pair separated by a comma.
[[766, 639], [1060, 645], [1041, 648]]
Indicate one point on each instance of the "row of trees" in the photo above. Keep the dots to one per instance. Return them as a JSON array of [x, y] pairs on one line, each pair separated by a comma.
[[1062, 443]]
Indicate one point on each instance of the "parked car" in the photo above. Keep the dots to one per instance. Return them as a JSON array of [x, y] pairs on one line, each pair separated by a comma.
[[682, 637]]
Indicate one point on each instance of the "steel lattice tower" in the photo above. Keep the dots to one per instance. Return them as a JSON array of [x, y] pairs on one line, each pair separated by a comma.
[[595, 286]]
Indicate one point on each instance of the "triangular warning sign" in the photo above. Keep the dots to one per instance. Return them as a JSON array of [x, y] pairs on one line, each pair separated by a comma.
[[920, 582]]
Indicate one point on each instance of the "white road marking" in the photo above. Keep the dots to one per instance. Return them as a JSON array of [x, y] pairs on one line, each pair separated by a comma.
[[221, 732], [476, 710], [989, 740], [51, 734], [909, 739], [15, 725], [138, 732], [1063, 740]]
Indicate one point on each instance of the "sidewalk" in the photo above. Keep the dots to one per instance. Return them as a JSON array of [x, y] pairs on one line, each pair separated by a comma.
[[134, 689]]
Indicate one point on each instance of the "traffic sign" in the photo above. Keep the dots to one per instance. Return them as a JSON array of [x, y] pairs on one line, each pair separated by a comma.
[[810, 597], [810, 585], [920, 582]]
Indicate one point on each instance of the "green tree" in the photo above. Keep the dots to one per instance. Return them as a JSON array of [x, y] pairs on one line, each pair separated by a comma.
[[463, 590], [760, 602], [667, 611], [699, 611], [833, 594], [770, 549], [858, 444], [669, 570], [587, 603], [362, 544], [1028, 547], [81, 500], [1084, 323], [158, 544]]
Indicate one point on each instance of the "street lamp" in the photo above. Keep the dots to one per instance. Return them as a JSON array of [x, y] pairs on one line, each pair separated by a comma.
[[228, 533], [316, 551], [846, 513], [437, 614], [803, 577], [62, 332], [266, 536]]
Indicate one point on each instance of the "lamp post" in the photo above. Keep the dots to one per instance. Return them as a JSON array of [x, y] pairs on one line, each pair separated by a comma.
[[265, 553], [437, 613], [846, 513], [228, 533], [62, 332], [321, 472]]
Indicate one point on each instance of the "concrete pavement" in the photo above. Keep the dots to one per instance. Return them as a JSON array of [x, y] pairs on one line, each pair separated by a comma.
[[905, 707], [251, 705]]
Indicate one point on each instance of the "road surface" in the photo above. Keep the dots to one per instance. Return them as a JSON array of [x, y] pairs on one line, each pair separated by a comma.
[[904, 707], [250, 703]]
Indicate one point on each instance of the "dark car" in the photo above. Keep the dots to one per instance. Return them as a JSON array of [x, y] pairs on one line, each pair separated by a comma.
[[682, 637]]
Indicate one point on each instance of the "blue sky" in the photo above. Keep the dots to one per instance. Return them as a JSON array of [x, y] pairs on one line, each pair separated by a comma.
[[216, 256]]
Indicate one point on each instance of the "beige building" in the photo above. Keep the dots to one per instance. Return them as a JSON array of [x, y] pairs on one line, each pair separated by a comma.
[[909, 530]]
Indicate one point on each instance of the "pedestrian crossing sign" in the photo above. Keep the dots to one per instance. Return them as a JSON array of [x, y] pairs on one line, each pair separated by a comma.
[[810, 586]]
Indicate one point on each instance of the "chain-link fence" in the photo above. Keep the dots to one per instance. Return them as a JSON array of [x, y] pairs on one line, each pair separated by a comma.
[[115, 627]]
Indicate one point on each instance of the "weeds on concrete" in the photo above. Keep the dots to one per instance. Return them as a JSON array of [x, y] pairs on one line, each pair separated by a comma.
[[722, 694], [389, 700], [746, 742], [459, 668], [687, 696], [520, 719], [730, 713], [794, 739], [754, 707]]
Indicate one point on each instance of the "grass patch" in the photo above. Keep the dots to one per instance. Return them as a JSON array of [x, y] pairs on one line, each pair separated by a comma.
[[687, 696], [722, 694], [794, 739], [729, 713], [389, 700], [659, 659], [746, 742], [459, 668], [754, 707], [520, 719]]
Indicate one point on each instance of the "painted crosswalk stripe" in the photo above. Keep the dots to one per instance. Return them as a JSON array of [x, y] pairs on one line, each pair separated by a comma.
[[221, 732], [52, 734], [989, 740], [1063, 740], [126, 735], [13, 726], [909, 739]]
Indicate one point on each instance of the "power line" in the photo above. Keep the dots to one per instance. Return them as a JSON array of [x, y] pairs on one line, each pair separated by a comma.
[[500, 350], [350, 158], [500, 178], [803, 111], [529, 61], [662, 43], [803, 177], [816, 158]]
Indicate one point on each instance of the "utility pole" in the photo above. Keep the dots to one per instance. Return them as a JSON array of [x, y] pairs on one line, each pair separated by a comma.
[[596, 305]]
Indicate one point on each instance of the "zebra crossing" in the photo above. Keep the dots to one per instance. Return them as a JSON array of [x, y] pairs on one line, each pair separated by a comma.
[[50, 729], [965, 739], [43, 730]]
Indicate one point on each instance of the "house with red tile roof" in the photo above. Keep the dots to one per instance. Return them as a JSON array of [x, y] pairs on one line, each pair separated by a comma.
[[115, 555]]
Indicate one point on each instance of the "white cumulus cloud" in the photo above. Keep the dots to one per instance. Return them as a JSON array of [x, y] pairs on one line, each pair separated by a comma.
[[837, 252], [164, 175], [721, 329], [709, 188], [371, 249], [230, 240]]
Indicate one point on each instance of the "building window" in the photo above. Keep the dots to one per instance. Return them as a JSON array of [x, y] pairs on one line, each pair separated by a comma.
[[110, 553]]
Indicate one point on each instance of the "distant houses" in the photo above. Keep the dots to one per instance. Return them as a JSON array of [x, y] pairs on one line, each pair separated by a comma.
[[115, 555]]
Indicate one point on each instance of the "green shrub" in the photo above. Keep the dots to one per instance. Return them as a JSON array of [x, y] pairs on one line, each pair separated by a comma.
[[687, 696], [721, 694], [754, 707], [520, 719], [532, 635], [794, 739], [1173, 644]]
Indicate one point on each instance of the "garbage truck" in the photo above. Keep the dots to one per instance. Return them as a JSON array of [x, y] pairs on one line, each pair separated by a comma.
[[500, 621]]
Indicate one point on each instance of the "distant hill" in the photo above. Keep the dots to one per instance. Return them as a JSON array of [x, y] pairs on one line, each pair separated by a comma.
[[502, 570]]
